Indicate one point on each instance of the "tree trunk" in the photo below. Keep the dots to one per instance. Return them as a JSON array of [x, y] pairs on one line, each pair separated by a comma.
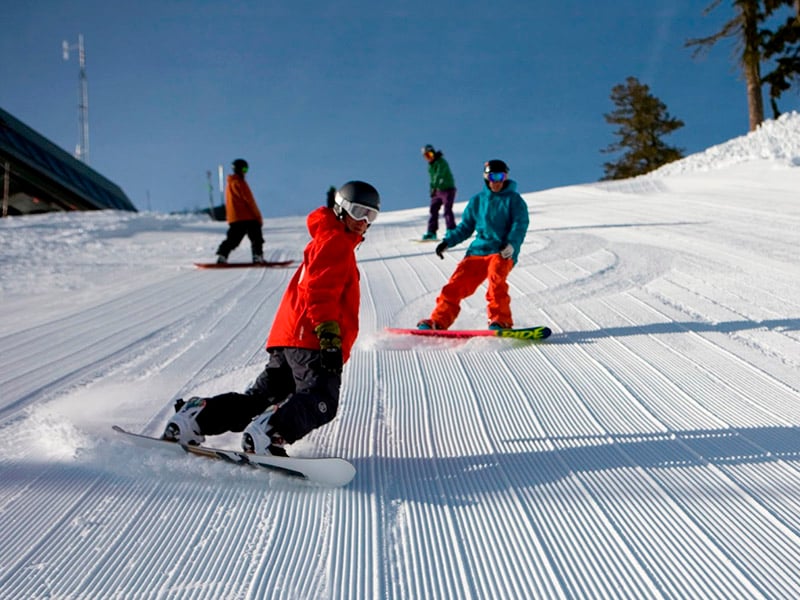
[[755, 99], [751, 62]]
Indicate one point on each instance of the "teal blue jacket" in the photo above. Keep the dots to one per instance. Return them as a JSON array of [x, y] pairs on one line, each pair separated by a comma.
[[496, 218]]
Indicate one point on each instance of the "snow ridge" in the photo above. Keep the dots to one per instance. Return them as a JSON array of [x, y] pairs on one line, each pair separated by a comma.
[[777, 141]]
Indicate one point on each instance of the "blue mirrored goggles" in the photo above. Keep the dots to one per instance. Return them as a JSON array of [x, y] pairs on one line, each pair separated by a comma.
[[496, 177], [359, 212]]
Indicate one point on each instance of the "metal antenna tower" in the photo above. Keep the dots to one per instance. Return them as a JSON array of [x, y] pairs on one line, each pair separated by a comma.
[[82, 150]]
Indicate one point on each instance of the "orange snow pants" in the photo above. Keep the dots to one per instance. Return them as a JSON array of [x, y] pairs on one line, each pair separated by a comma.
[[469, 274]]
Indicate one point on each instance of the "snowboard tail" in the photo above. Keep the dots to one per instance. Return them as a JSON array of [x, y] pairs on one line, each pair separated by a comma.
[[331, 471], [527, 333]]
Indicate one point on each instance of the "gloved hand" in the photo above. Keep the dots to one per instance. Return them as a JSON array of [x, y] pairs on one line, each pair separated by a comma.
[[330, 346], [440, 248], [507, 251], [433, 193]]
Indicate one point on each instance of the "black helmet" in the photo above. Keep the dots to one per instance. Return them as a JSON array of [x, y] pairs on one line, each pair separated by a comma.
[[494, 166], [427, 148], [359, 200], [240, 165]]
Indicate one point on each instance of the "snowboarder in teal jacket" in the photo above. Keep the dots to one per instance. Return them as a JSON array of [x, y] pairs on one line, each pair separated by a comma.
[[499, 218]]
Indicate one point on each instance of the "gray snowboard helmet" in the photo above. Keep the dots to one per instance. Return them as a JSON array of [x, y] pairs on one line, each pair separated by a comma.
[[359, 200]]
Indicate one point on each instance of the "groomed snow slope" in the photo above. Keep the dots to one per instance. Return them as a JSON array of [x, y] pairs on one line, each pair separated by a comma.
[[649, 449]]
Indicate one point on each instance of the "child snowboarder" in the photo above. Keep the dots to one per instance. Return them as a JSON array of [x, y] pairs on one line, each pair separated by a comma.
[[312, 334], [499, 215], [442, 190]]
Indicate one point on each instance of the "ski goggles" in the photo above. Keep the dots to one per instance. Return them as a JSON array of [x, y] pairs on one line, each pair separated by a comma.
[[358, 211], [496, 177]]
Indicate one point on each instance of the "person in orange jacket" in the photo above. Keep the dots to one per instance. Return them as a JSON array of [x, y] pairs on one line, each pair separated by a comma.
[[242, 214], [311, 338]]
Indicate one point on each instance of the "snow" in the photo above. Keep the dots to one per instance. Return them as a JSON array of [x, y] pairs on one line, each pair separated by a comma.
[[776, 140], [649, 448]]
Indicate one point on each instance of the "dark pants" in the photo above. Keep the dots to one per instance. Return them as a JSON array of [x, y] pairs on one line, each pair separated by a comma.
[[292, 374], [236, 233], [442, 198]]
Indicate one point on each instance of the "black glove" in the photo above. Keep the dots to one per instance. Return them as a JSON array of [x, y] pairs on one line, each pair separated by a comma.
[[330, 346], [433, 193], [440, 248]]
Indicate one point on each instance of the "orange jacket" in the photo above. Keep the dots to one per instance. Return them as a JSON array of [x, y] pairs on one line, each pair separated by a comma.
[[240, 205], [324, 288]]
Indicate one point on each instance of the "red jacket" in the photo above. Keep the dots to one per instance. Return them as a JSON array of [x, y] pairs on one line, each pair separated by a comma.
[[324, 288], [240, 205]]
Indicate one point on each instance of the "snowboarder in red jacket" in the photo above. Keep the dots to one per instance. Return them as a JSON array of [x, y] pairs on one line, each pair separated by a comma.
[[311, 338]]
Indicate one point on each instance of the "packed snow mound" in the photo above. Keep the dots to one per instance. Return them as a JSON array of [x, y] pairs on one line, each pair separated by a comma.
[[775, 140]]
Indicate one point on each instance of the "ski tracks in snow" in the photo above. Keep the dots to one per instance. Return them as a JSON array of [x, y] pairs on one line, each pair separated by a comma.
[[648, 449]]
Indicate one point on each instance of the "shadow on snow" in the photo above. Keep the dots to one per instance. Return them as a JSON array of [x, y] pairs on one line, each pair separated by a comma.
[[465, 479], [570, 337]]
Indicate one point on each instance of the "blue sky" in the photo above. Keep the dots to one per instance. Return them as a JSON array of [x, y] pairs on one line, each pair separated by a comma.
[[313, 94]]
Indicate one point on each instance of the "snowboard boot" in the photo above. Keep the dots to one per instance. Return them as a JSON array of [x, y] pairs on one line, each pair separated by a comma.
[[258, 259], [222, 259], [430, 235], [260, 438], [182, 426], [428, 324], [497, 326]]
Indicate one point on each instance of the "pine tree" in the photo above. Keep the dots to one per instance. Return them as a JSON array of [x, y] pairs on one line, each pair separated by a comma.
[[743, 28], [642, 120], [758, 46], [783, 47]]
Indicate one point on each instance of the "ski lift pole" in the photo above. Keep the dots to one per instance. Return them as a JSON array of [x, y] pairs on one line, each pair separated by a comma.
[[222, 176], [82, 149], [210, 197], [6, 184]]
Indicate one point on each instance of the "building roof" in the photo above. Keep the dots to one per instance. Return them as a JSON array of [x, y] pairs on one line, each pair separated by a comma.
[[39, 168]]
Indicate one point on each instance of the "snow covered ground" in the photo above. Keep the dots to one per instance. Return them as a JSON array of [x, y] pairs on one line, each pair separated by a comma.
[[649, 449]]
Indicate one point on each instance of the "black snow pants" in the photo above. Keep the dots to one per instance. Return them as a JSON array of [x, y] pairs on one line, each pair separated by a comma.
[[236, 233], [294, 375]]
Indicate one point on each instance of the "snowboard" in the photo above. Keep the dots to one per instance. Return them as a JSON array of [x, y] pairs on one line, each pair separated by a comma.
[[421, 241], [244, 265], [330, 471], [528, 333]]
